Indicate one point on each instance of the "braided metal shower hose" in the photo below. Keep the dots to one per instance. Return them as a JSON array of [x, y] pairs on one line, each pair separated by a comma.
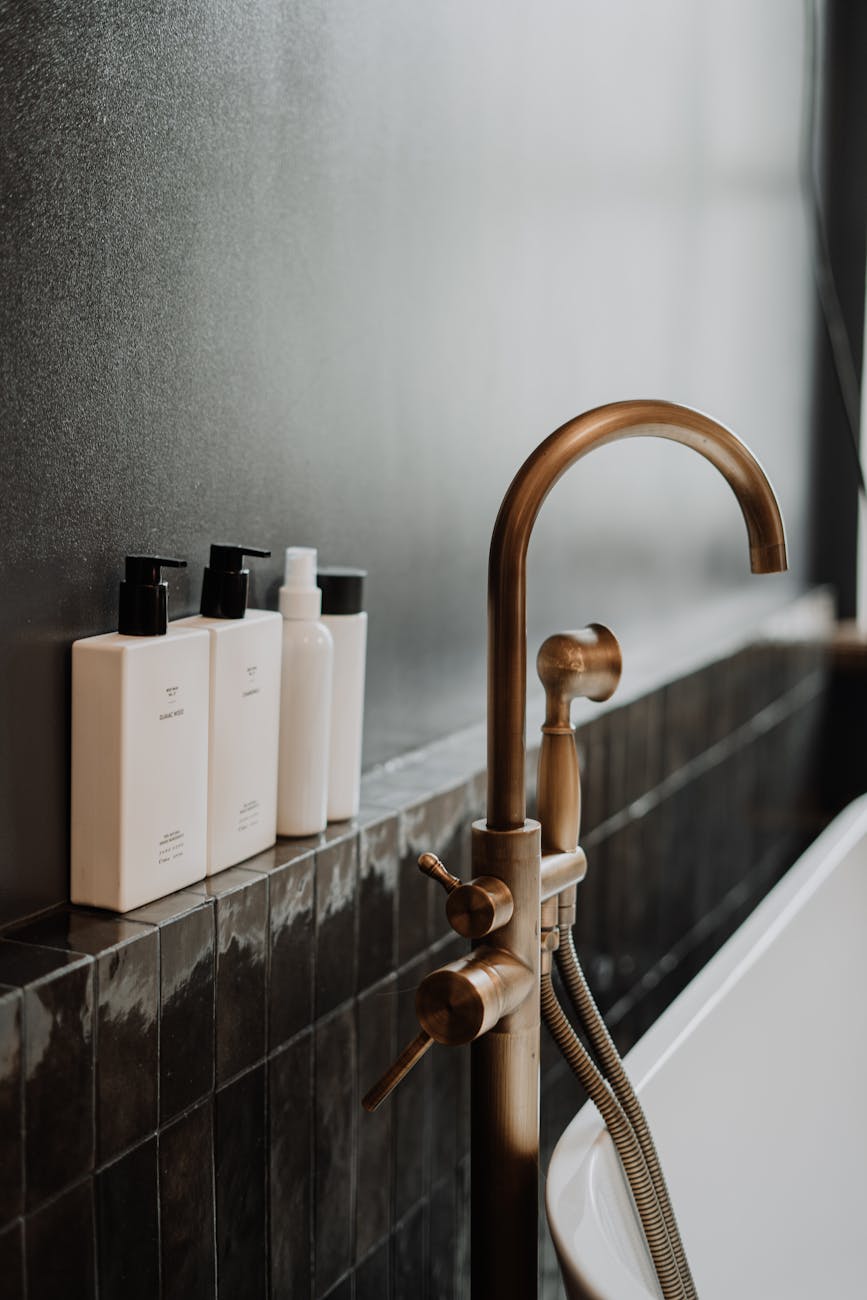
[[628, 1148], [612, 1067]]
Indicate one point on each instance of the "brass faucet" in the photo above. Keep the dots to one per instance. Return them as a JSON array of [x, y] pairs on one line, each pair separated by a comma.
[[491, 997]]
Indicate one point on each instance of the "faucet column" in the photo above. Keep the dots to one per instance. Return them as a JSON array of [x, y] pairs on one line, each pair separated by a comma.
[[505, 1085]]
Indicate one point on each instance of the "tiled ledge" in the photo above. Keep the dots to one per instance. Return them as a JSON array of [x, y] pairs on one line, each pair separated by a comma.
[[199, 1061]]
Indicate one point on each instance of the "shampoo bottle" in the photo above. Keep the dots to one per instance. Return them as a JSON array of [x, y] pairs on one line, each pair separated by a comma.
[[344, 616], [305, 700], [139, 750], [244, 710]]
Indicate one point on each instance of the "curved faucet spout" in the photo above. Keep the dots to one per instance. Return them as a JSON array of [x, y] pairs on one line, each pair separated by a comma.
[[507, 574]]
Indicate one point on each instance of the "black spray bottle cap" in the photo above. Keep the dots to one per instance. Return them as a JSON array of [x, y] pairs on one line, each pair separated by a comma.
[[143, 605], [224, 586], [342, 589]]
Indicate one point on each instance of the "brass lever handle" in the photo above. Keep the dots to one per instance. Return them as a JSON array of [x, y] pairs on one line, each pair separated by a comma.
[[430, 864], [410, 1056], [473, 909]]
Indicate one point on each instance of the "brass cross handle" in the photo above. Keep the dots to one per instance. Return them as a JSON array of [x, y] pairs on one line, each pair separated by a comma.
[[473, 909]]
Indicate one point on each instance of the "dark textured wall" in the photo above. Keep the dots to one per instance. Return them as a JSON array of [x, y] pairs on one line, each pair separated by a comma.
[[317, 273]]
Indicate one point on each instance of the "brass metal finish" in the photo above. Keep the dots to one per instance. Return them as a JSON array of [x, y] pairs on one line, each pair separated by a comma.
[[466, 998], [585, 663], [485, 904], [570, 664], [431, 866], [410, 1056], [560, 871], [507, 574], [474, 909], [505, 1086], [492, 997]]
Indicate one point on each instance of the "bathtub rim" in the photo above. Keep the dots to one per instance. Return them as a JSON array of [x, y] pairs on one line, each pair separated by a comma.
[[585, 1143]]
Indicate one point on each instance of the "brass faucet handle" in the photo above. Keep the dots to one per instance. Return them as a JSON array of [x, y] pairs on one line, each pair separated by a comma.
[[473, 909], [396, 1073], [430, 864]]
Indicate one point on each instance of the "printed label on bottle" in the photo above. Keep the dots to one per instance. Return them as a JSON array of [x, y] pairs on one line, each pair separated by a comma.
[[248, 817], [171, 707], [171, 847], [251, 681]]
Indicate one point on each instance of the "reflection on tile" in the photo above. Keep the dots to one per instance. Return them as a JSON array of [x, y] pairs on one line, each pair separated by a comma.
[[411, 1112], [445, 1070], [442, 1240], [336, 895], [240, 1177], [376, 1050], [127, 981], [11, 1116], [343, 1290], [127, 1206], [290, 1110], [291, 938], [12, 1260], [438, 825], [372, 1277], [58, 1062], [187, 1018], [410, 1263], [60, 1247], [73, 929], [377, 900], [336, 1107], [241, 906], [187, 1206]]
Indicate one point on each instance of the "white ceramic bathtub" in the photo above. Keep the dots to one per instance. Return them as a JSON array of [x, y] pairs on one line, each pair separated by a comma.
[[755, 1084]]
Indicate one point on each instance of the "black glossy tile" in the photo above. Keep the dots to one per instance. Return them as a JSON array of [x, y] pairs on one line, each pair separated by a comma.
[[376, 1050], [462, 1232], [60, 1247], [377, 900], [439, 825], [443, 1263], [167, 909], [290, 991], [128, 1231], [445, 1069], [127, 984], [411, 1111], [241, 1172], [58, 1062], [342, 1291], [336, 898], [241, 913], [73, 929], [11, 1112], [685, 709], [187, 1015], [290, 1111], [373, 1276], [12, 1260], [187, 1238], [336, 1109], [410, 1258], [591, 738]]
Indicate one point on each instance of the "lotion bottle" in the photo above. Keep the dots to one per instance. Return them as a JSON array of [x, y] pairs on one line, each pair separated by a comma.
[[139, 750], [244, 710], [305, 700], [344, 615]]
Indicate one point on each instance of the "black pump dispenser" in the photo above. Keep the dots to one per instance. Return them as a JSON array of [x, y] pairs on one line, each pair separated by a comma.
[[225, 583], [142, 608]]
